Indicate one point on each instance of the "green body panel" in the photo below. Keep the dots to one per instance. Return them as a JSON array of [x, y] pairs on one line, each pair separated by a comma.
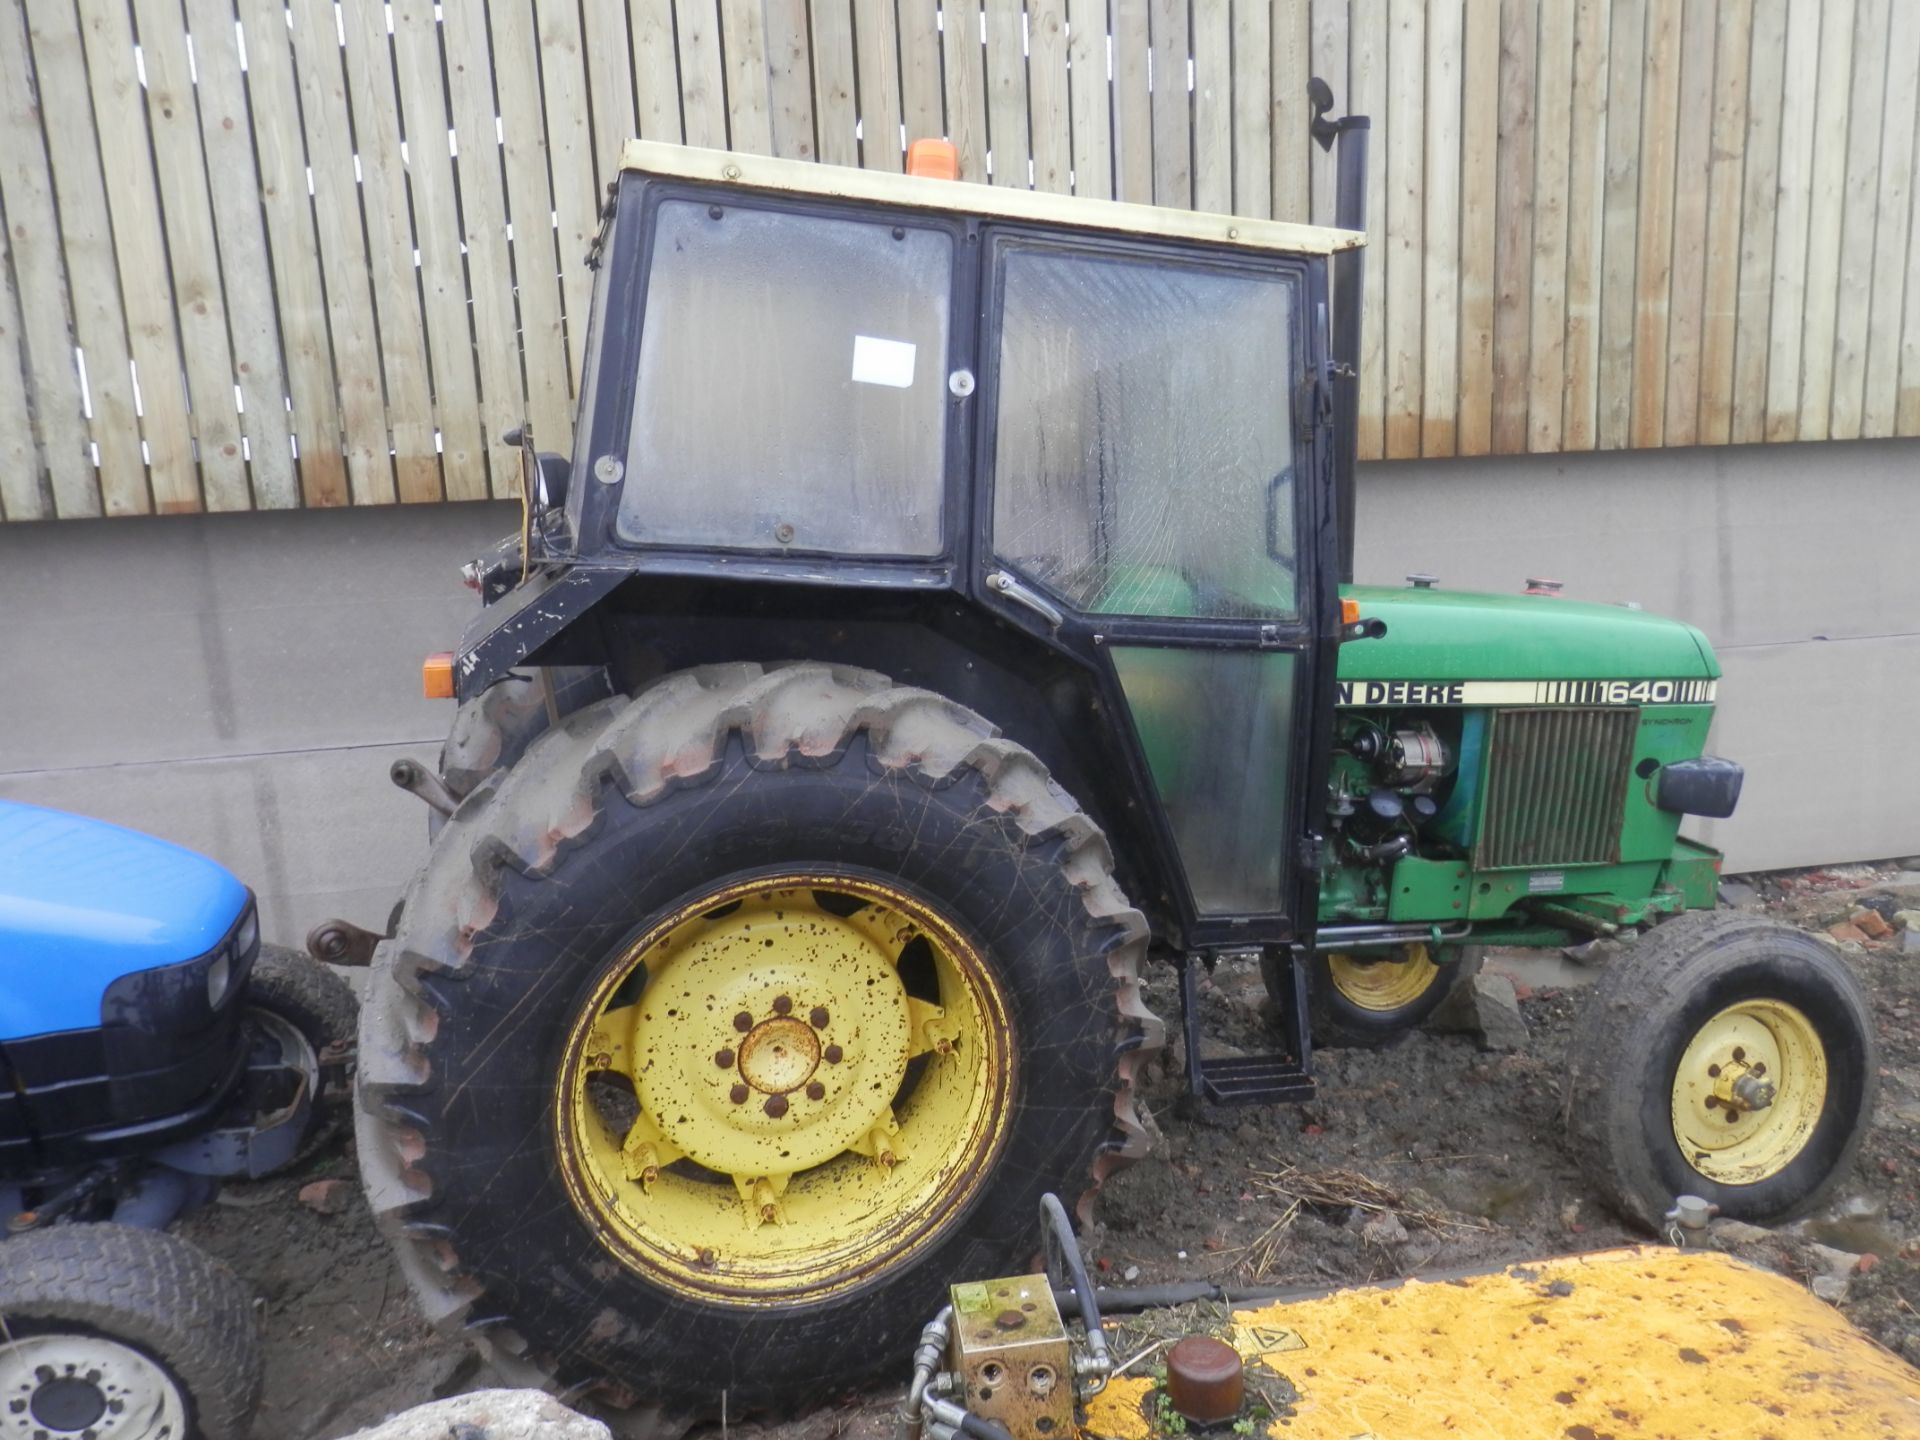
[[1463, 635]]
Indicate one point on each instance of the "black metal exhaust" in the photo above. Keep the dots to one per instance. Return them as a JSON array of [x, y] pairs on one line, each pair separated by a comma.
[[1349, 279]]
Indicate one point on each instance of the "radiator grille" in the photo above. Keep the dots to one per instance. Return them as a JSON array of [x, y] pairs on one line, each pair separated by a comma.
[[1556, 785]]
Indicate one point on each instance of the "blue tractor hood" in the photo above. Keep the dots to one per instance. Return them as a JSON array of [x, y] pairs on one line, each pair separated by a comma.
[[83, 903]]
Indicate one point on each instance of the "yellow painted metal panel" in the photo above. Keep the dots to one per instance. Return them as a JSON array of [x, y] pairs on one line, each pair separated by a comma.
[[1632, 1344]]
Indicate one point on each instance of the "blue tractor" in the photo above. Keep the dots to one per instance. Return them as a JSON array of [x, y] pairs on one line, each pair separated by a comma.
[[150, 1048]]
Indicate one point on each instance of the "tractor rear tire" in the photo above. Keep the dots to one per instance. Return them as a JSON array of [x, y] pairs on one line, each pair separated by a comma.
[[129, 1325], [1680, 1015], [1359, 1004], [632, 823]]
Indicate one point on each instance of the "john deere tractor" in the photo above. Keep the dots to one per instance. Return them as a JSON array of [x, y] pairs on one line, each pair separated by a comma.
[[941, 614]]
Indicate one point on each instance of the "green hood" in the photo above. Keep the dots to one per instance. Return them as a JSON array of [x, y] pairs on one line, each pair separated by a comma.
[[1460, 635]]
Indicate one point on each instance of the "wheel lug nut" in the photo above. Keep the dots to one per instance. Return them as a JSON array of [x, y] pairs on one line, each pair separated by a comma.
[[743, 1022], [816, 1091], [1714, 1071], [776, 1106], [782, 1004], [724, 1059], [818, 1018], [1738, 1053], [738, 1094], [833, 1054]]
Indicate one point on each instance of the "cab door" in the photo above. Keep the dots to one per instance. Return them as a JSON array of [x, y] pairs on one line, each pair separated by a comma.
[[1154, 468]]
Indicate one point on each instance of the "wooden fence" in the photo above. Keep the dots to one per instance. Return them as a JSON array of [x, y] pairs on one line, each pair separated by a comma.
[[271, 253]]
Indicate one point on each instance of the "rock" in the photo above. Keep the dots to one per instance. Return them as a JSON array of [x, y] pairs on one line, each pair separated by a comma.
[[1827, 1287], [327, 1197], [1838, 1263], [1739, 894], [1739, 1232], [1871, 923], [1847, 931], [1882, 905], [1592, 952], [489, 1415], [1384, 1230], [1130, 1274], [1910, 941], [1907, 919], [1487, 1009]]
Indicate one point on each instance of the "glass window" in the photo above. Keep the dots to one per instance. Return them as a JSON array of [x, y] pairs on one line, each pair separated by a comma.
[[792, 388], [1217, 728], [1143, 459]]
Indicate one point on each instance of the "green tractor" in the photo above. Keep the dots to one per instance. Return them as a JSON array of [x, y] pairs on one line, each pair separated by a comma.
[[940, 616]]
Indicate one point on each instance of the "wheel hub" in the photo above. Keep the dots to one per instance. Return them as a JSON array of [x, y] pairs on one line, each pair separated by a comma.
[[1748, 1091], [86, 1386], [779, 1055], [67, 1403]]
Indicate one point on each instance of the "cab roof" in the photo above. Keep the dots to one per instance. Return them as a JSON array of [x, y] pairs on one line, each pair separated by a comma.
[[999, 202]]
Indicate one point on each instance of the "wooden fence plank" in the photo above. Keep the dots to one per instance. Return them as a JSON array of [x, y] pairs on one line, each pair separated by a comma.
[[1586, 211], [1898, 158], [1090, 99], [264, 112], [964, 63], [1653, 258], [1907, 415], [656, 70], [1687, 245], [342, 247], [922, 102], [876, 48], [1719, 308], [1050, 101], [483, 219], [33, 235], [1172, 106], [1792, 216], [1854, 300], [1367, 82], [1766, 76], [836, 112], [1132, 103], [1553, 137], [1213, 108], [743, 37], [1479, 168], [703, 84], [537, 262], [24, 494], [396, 288], [255, 315], [1404, 222], [1253, 106], [146, 289], [464, 455], [1513, 232], [1007, 138], [1292, 51], [576, 188], [1328, 59], [790, 82], [1826, 202], [1440, 256], [193, 258], [610, 83], [1626, 55]]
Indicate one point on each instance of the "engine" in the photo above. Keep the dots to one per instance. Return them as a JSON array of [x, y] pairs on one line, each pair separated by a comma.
[[1393, 774]]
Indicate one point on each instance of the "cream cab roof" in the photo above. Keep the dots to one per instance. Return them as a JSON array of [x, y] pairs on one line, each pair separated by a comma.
[[997, 202]]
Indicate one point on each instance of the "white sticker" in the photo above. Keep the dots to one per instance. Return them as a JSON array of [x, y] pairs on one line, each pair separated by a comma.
[[1546, 882], [883, 362]]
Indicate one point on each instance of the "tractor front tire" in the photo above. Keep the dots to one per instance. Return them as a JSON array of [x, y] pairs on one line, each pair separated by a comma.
[[736, 1021], [118, 1331], [1724, 1056], [1375, 999]]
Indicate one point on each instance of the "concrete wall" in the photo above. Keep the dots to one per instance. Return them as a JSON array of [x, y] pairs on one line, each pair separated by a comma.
[[241, 683]]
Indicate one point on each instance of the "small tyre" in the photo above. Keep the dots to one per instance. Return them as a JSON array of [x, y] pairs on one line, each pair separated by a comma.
[[1375, 998], [130, 1333], [779, 995], [316, 1002], [1723, 1056]]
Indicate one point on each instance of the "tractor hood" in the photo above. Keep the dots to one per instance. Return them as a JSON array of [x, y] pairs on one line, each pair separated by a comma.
[[1460, 635], [83, 903]]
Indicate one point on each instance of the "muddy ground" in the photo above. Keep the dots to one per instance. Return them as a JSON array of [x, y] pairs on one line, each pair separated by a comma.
[[1464, 1147]]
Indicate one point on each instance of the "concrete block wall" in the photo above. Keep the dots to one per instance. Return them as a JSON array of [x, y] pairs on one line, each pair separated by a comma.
[[240, 683]]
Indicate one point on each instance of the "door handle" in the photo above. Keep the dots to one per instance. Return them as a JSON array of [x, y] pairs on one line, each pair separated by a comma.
[[1002, 583]]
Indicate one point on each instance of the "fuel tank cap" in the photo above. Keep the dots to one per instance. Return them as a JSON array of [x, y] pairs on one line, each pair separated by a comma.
[[1420, 580]]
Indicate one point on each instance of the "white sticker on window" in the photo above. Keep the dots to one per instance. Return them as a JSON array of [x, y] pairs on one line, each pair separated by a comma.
[[883, 362]]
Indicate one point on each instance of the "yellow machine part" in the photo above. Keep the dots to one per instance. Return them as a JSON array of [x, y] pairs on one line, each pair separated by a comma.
[[1619, 1345]]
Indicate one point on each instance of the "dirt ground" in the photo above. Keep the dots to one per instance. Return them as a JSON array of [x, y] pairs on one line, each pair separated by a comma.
[[1463, 1147]]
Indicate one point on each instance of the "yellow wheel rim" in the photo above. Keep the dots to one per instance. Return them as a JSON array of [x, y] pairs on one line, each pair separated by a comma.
[[784, 1089], [1382, 982], [1749, 1091]]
